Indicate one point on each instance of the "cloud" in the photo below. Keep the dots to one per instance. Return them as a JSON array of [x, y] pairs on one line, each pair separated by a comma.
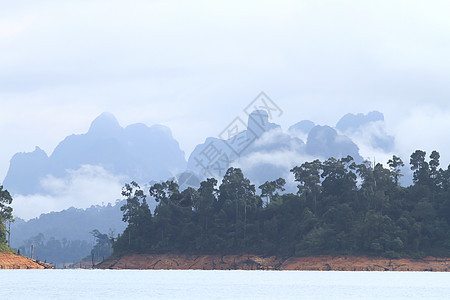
[[285, 159], [425, 128], [271, 156], [267, 166], [277, 138], [10, 28], [373, 140], [89, 185], [194, 66]]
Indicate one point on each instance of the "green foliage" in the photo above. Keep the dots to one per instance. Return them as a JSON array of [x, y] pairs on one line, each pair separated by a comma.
[[269, 188], [102, 248], [5, 216], [54, 250], [340, 208], [4, 248]]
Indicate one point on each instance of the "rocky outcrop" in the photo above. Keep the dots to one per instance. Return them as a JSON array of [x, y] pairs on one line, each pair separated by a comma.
[[254, 262], [13, 261]]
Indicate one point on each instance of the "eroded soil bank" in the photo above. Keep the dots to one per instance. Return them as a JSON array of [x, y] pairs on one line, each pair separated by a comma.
[[13, 261], [254, 262]]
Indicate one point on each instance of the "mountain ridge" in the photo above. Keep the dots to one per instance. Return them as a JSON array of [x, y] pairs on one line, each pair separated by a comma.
[[137, 151], [146, 154]]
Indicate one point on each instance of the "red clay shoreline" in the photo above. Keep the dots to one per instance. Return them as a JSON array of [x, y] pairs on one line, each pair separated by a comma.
[[255, 262], [14, 261]]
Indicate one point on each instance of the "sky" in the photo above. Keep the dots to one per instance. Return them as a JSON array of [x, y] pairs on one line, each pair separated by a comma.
[[195, 65]]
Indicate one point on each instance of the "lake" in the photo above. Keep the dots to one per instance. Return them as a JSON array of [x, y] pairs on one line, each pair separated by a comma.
[[176, 284]]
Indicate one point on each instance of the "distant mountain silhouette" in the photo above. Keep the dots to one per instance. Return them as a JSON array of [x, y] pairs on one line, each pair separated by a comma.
[[258, 123], [137, 152], [304, 127], [370, 127], [60, 225], [214, 156], [25, 171], [355, 121], [265, 152], [150, 154], [325, 142]]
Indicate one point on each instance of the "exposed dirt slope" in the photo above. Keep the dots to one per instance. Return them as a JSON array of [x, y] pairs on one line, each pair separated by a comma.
[[13, 261], [253, 262]]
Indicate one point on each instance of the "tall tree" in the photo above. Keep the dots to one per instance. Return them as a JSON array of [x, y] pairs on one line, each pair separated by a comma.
[[338, 176], [136, 207], [270, 189], [308, 178], [137, 213], [102, 248], [395, 164], [238, 189], [5, 212], [435, 172], [205, 201], [420, 167], [166, 193]]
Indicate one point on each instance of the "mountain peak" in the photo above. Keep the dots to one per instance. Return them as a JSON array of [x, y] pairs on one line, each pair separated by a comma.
[[39, 151], [258, 122], [304, 126], [104, 124], [355, 121]]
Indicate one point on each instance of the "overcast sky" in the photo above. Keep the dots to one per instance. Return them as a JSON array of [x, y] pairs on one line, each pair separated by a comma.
[[195, 65]]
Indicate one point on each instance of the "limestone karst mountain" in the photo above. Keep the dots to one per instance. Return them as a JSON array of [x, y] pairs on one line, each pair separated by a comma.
[[302, 127], [149, 154], [325, 142], [265, 152], [136, 152], [367, 128]]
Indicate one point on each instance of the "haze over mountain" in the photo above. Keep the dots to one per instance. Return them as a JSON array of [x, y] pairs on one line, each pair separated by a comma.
[[265, 152], [136, 152], [60, 225], [308, 56], [90, 169], [369, 127]]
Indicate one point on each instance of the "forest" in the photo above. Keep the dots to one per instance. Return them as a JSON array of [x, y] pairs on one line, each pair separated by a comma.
[[64, 252], [5, 216], [55, 251], [340, 208]]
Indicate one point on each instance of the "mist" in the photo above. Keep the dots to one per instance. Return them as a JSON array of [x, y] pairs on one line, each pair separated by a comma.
[[89, 185]]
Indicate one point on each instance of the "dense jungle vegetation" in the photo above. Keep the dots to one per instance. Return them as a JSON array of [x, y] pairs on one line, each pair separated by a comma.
[[5, 216], [340, 208]]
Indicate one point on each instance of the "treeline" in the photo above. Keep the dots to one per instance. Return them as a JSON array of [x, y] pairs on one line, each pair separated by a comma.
[[340, 208], [55, 251], [5, 216], [65, 251]]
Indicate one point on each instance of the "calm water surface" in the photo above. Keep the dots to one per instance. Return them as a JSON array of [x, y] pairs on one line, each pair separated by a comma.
[[174, 284]]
